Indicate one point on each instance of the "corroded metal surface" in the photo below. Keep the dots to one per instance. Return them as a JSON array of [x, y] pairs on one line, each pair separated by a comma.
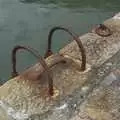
[[31, 75], [103, 30], [28, 97], [75, 37]]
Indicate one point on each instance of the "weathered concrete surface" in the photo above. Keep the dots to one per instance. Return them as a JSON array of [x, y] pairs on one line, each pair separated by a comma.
[[104, 102], [28, 97], [98, 49]]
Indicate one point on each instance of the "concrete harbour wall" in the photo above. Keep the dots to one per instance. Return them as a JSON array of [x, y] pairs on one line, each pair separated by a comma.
[[89, 95]]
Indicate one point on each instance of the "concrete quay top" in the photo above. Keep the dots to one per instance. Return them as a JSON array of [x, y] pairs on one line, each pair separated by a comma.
[[78, 95]]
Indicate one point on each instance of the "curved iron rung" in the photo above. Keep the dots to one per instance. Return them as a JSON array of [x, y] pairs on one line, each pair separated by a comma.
[[42, 61], [104, 28], [76, 38]]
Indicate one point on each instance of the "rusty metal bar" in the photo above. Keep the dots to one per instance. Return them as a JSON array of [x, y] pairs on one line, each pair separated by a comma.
[[42, 61], [75, 37], [102, 27]]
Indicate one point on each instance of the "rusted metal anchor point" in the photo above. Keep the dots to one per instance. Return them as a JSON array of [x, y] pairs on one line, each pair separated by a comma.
[[103, 30], [75, 37], [41, 60]]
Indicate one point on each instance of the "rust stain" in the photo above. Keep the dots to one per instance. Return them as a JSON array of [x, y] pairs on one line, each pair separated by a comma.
[[32, 75], [74, 36], [103, 30]]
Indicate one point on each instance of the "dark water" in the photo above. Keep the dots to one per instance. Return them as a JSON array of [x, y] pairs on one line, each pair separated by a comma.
[[27, 22]]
